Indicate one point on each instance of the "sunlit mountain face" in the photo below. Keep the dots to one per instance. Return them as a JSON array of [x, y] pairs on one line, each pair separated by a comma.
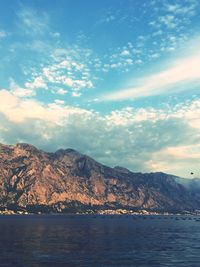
[[33, 181], [116, 80]]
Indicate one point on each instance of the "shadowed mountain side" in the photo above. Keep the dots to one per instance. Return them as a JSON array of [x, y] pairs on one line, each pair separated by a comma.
[[31, 178]]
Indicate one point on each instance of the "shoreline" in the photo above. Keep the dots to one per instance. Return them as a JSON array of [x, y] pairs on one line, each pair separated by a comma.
[[106, 213]]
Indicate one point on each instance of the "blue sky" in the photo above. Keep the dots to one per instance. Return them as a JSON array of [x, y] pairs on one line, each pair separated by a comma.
[[115, 79]]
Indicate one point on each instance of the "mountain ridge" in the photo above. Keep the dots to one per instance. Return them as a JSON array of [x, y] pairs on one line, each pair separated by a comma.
[[34, 180]]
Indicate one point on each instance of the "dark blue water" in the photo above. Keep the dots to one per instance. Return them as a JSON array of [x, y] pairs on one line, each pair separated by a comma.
[[54, 241]]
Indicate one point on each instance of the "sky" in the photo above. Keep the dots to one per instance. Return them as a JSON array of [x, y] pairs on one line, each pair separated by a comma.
[[117, 80]]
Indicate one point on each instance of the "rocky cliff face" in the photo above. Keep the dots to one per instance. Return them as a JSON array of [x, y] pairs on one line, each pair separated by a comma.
[[32, 178]]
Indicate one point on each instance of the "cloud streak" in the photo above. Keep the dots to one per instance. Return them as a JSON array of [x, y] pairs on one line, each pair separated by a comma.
[[178, 77]]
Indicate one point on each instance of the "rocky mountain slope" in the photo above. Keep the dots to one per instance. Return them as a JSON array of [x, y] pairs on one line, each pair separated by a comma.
[[33, 180]]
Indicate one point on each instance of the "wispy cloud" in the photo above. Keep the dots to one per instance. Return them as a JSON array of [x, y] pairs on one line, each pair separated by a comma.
[[32, 22], [175, 78], [3, 34], [178, 8], [169, 21]]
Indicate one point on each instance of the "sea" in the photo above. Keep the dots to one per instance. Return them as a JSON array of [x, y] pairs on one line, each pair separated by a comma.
[[99, 240]]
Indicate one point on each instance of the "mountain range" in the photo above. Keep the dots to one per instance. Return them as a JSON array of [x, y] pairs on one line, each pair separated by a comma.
[[67, 181]]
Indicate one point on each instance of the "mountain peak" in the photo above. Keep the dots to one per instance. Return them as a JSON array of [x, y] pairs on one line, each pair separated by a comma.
[[25, 146]]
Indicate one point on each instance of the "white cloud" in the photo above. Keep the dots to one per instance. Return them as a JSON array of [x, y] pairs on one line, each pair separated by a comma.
[[69, 82], [49, 74], [20, 91], [19, 110], [121, 60], [38, 82], [172, 17], [140, 139], [77, 84], [76, 94], [125, 53], [23, 92], [69, 68], [61, 91], [178, 76]]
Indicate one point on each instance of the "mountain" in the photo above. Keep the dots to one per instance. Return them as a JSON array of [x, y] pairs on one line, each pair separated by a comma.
[[34, 180]]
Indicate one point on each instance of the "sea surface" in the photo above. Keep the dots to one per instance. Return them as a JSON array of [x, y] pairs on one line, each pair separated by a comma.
[[99, 240]]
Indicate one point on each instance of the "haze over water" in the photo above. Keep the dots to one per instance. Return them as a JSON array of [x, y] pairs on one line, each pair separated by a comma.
[[55, 241]]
